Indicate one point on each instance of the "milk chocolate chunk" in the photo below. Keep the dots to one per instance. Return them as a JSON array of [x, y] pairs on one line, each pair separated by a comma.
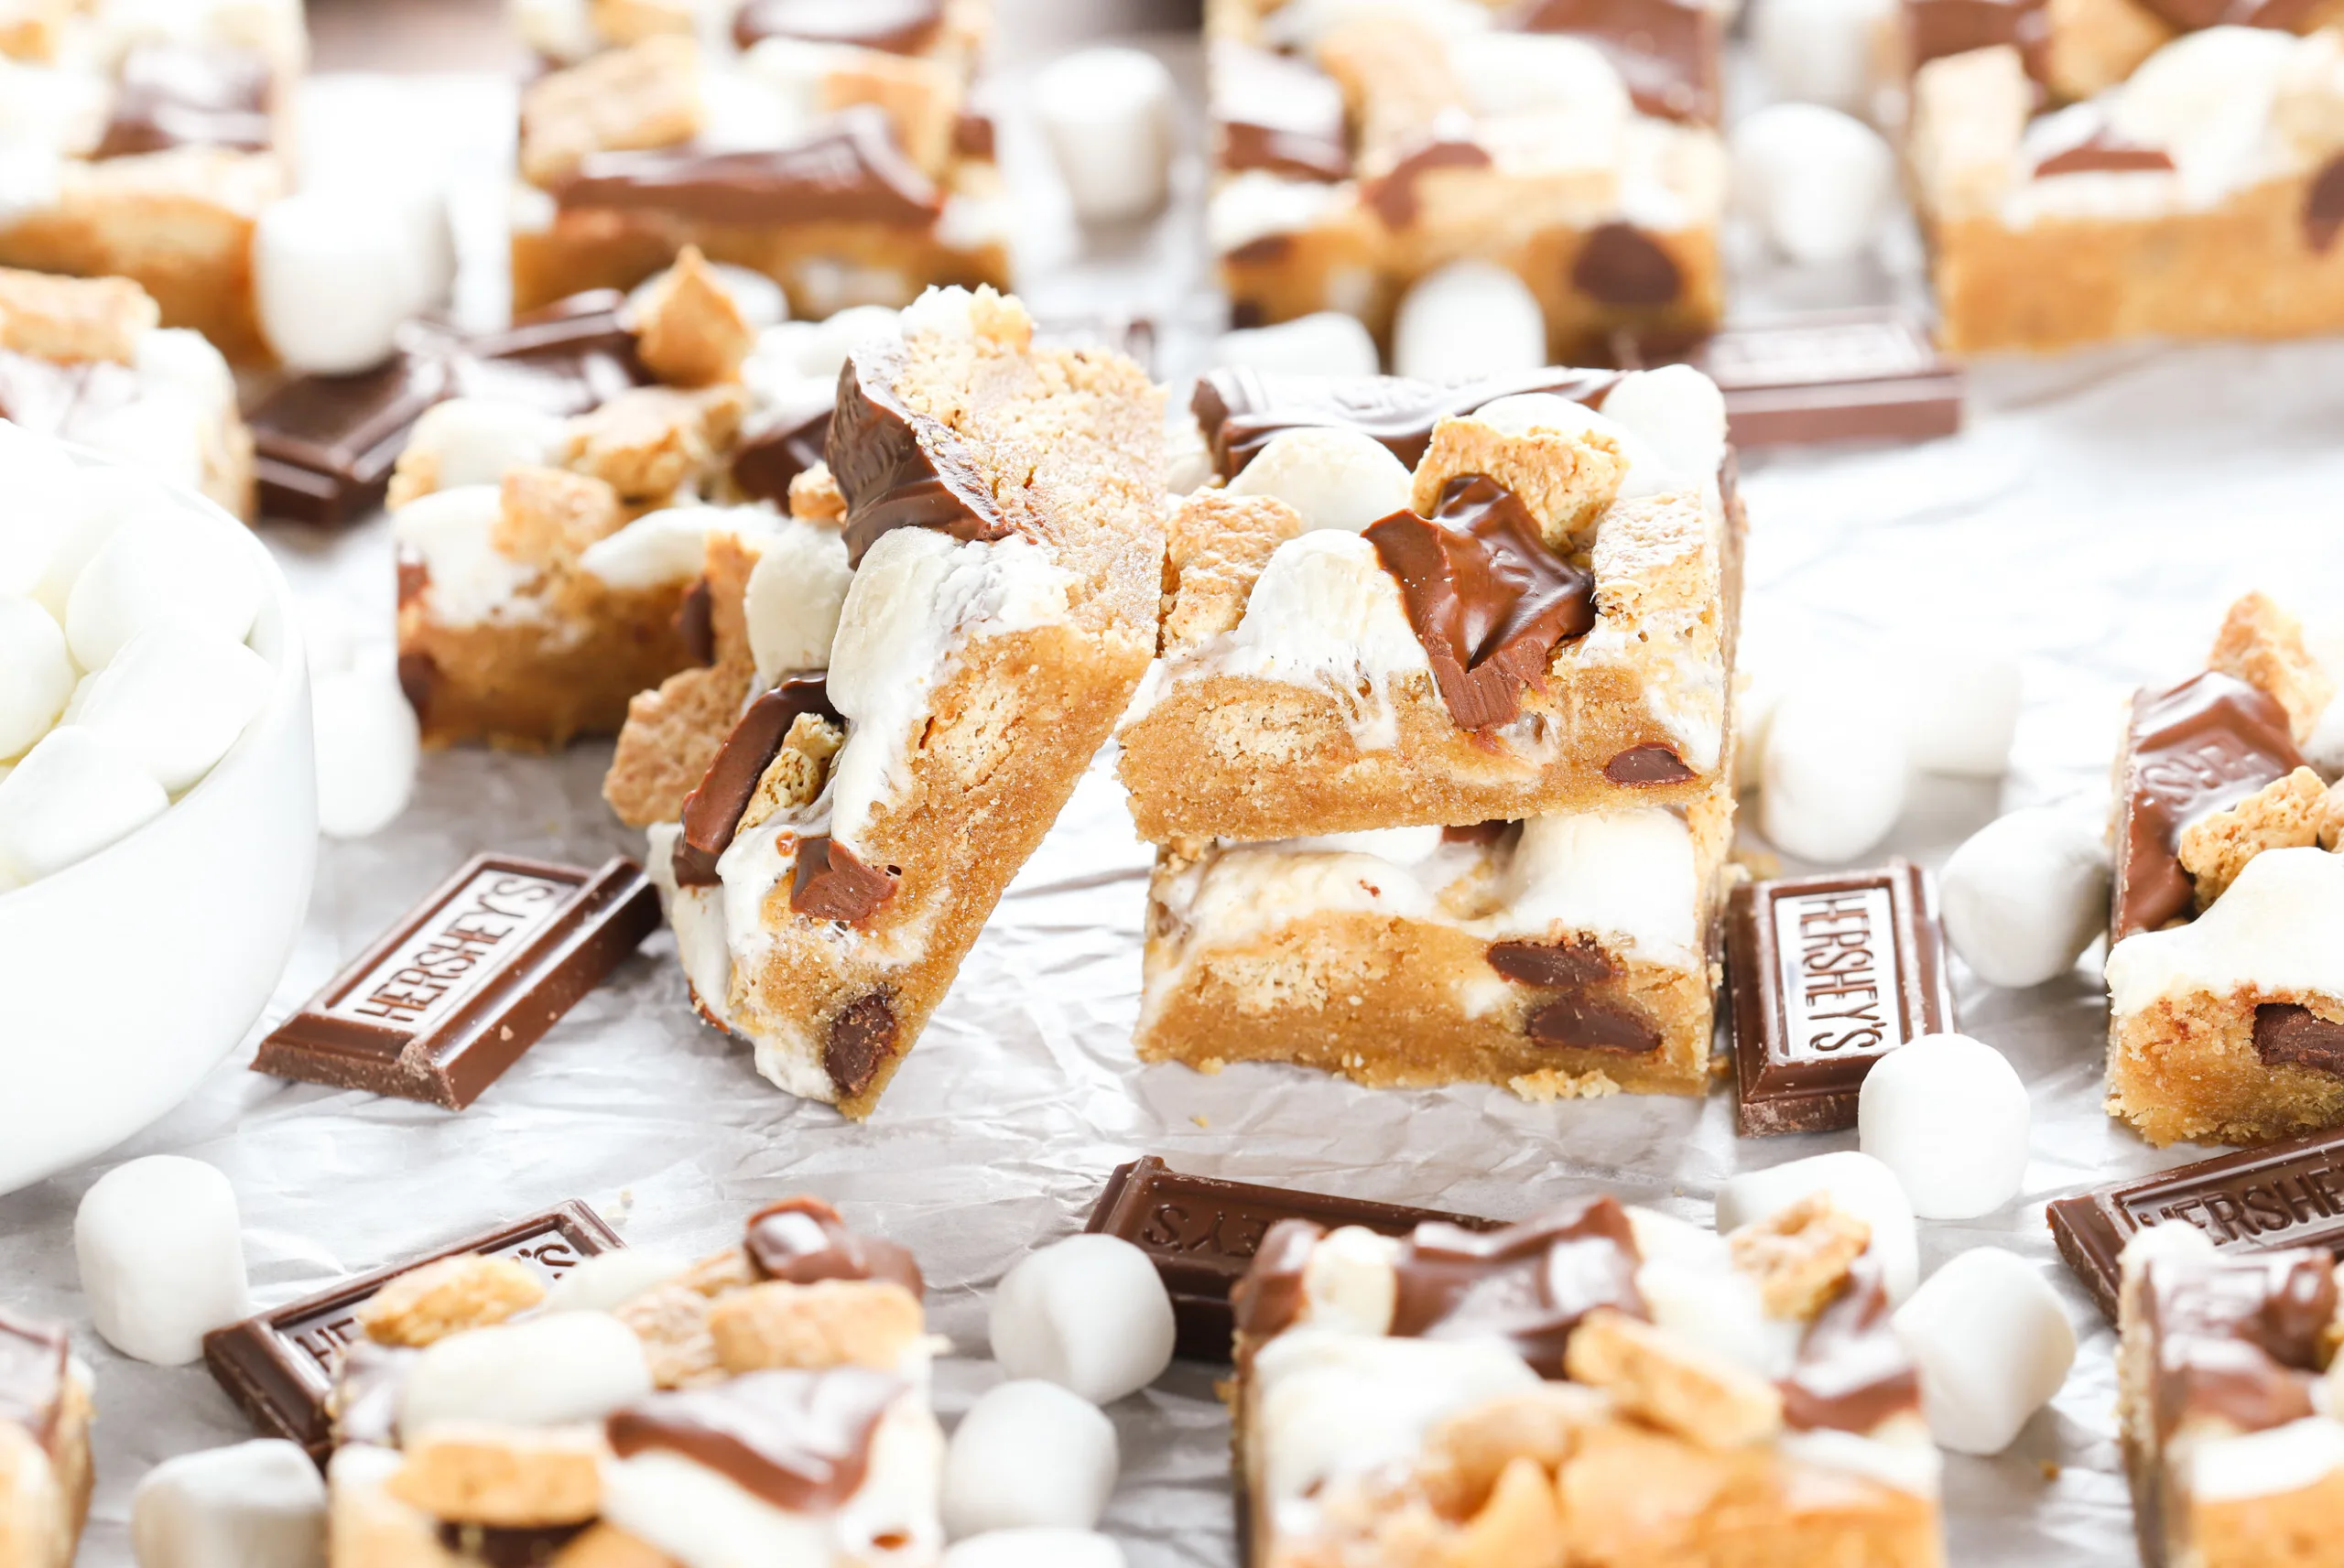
[[695, 624], [2101, 153], [1203, 1234], [831, 883], [777, 451], [279, 1367], [179, 95], [33, 1360], [1242, 410], [1833, 375], [570, 358], [850, 172], [898, 468], [2287, 1034], [712, 811], [1852, 1372], [800, 1441], [1665, 51], [899, 27], [2190, 749], [1392, 196], [1488, 599], [1829, 974], [1528, 1284], [1621, 265], [863, 1036], [800, 1240], [439, 1008], [1583, 1023], [2236, 1338], [2324, 206], [1647, 765], [1570, 962], [324, 446], [1936, 28], [1277, 113], [418, 679]]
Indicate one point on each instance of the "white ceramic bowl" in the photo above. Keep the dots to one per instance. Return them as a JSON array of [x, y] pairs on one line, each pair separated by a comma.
[[126, 978]]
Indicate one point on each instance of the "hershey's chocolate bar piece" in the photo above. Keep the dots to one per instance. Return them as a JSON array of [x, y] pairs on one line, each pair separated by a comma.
[[279, 1366], [1202, 1233], [439, 1008], [2256, 1200], [1829, 974], [1836, 376]]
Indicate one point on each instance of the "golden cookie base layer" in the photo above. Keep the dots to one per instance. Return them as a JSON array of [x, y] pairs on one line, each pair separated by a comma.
[[2186, 1067]]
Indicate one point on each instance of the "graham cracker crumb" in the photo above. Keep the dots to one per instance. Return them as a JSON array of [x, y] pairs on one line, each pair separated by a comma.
[[1568, 480], [425, 1305], [648, 441], [687, 328], [815, 496], [1658, 1378], [632, 21], [2262, 645], [1800, 1256], [833, 1322], [646, 95], [1551, 1084], [795, 773], [2286, 813], [672, 1323], [505, 1477], [1216, 545], [547, 517], [71, 319]]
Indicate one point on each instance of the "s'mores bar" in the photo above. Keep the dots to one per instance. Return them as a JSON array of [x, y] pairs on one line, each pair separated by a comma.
[[2226, 963], [1359, 149], [84, 360], [1000, 510], [141, 141], [2225, 1399], [1600, 1386], [2094, 170], [45, 1415], [831, 147], [769, 1404]]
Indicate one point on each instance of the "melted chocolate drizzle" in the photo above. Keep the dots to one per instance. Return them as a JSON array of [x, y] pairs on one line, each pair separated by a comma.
[[851, 172], [712, 812], [1240, 411], [800, 1240], [1852, 1372], [2237, 1337], [800, 1441], [1529, 1284], [899, 468]]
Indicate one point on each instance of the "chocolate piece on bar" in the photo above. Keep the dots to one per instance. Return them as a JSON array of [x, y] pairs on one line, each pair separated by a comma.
[[1202, 1234], [2257, 1200], [570, 358], [1666, 51], [1277, 113], [323, 446], [1241, 410], [849, 171], [279, 1366], [441, 1007], [1837, 375], [1829, 974]]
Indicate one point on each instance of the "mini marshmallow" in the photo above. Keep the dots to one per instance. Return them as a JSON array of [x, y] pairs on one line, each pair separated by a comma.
[[177, 699], [333, 279], [1028, 1454], [1949, 1115], [1108, 115], [162, 1257], [1834, 774], [253, 1504], [39, 678], [613, 1279], [1963, 702], [104, 500], [75, 793], [1856, 1183], [1325, 343], [1468, 318], [1821, 51], [543, 1371], [659, 547], [1679, 413], [160, 432], [1035, 1548], [1336, 477], [1820, 184], [369, 745], [158, 570], [44, 498], [1993, 1344], [474, 440], [1089, 1313], [2025, 896], [1515, 73]]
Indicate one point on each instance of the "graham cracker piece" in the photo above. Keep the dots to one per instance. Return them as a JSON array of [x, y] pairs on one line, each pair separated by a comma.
[[425, 1305], [547, 517], [646, 95], [648, 441], [831, 1323], [31, 30], [1799, 1255], [672, 1323], [2262, 645], [506, 1477], [795, 776], [69, 320], [1970, 114], [2308, 110], [2286, 813], [815, 496], [2095, 44], [1661, 1379], [687, 328], [1216, 545], [1466, 1453], [626, 21], [1567, 480]]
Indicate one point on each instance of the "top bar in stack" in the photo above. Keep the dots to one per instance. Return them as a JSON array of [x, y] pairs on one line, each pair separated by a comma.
[[830, 146], [1571, 141], [1538, 619]]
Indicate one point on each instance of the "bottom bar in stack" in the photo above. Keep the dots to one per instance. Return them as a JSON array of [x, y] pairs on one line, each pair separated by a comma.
[[1567, 956]]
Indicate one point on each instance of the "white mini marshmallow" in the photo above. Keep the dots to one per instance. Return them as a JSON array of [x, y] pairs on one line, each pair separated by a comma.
[[1108, 115], [158, 569], [44, 500], [369, 745], [1325, 343], [1949, 1115], [1506, 73], [1335, 477], [1035, 1548], [1819, 184], [1963, 702], [1468, 318], [1856, 1183], [1028, 1454], [1835, 770], [103, 500], [1821, 51], [1681, 415], [40, 674], [543, 1371], [177, 699], [2205, 99], [1088, 1312], [665, 546], [613, 1279], [162, 1257], [474, 440], [333, 278], [1993, 1344], [2025, 896], [73, 795], [253, 1504]]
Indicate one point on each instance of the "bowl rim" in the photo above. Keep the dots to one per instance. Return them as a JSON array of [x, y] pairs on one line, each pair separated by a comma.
[[289, 665]]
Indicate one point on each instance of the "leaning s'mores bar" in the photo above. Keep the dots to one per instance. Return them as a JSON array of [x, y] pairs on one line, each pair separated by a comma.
[[45, 1415], [2225, 968], [1600, 1384], [1000, 508], [2118, 169], [1359, 149]]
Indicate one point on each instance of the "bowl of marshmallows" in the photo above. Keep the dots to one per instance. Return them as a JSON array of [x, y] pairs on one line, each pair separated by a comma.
[[158, 797]]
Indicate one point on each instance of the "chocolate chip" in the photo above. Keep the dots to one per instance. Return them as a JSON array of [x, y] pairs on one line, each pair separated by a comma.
[[1647, 765], [418, 677], [2286, 1034], [695, 625], [2324, 206], [861, 1037], [1570, 962], [1393, 194], [831, 883], [1244, 313], [1621, 264], [1585, 1025]]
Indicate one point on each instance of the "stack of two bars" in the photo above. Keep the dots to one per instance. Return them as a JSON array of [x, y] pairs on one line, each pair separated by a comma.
[[1437, 754]]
